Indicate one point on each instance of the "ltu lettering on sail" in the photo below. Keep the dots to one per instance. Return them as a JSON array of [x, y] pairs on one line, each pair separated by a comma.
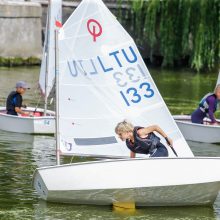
[[83, 67], [114, 60]]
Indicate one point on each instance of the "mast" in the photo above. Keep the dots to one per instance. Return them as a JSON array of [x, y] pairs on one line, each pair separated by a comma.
[[57, 98]]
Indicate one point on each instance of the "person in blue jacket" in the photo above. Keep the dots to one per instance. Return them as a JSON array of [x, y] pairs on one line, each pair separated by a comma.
[[14, 100], [143, 140], [207, 107]]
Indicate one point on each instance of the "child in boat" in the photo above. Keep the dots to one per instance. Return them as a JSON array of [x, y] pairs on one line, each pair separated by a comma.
[[142, 139], [14, 100], [207, 107]]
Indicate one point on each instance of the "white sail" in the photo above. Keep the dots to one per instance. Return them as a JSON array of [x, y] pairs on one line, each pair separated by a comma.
[[54, 18], [218, 80], [103, 80]]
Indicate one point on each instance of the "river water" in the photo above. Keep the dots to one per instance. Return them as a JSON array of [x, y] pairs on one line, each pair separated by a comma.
[[20, 154]]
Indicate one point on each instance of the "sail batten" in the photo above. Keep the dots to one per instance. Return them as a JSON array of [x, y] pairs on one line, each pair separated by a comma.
[[95, 141], [102, 81]]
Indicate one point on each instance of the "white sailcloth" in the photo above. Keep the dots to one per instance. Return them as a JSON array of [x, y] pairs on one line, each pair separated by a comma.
[[218, 80], [103, 80], [47, 71]]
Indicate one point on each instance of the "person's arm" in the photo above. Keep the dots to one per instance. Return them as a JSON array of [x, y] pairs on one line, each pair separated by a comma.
[[211, 102], [18, 106], [18, 110], [145, 131]]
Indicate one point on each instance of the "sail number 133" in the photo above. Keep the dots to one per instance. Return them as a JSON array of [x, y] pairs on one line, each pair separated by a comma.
[[133, 95]]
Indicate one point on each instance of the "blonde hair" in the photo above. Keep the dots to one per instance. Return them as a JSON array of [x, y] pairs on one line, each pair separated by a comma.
[[124, 126], [217, 88]]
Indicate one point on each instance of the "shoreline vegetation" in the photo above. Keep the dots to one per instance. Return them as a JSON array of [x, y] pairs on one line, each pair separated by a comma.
[[179, 32], [169, 33], [19, 61]]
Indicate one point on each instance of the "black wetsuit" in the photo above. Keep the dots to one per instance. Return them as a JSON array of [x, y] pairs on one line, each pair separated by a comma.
[[14, 100]]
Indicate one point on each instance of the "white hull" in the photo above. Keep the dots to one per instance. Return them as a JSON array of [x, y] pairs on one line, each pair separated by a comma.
[[29, 125], [146, 182], [197, 132]]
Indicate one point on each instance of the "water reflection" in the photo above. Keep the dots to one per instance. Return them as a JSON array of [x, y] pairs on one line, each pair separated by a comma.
[[20, 155], [205, 149], [55, 212]]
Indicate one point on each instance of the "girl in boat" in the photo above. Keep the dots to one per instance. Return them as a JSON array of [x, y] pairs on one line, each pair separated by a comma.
[[207, 107], [142, 140]]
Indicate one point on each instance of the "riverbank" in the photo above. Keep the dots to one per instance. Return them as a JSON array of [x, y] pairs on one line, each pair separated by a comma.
[[20, 33]]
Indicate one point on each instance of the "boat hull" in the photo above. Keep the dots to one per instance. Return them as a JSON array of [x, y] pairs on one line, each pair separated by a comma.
[[197, 132], [145, 182], [29, 125]]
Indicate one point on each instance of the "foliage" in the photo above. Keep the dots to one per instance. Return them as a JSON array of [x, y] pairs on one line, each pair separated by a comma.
[[181, 28], [19, 61]]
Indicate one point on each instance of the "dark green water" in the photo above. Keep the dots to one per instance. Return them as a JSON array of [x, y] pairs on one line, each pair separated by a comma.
[[20, 154]]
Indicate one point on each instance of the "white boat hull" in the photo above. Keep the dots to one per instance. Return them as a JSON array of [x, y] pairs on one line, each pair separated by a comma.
[[146, 182], [197, 132], [29, 125]]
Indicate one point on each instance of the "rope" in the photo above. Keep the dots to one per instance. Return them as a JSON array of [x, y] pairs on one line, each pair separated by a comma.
[[35, 97]]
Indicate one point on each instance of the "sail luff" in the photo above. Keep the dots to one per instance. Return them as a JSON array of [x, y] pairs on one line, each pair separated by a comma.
[[218, 80], [47, 56], [47, 76], [42, 76], [57, 75]]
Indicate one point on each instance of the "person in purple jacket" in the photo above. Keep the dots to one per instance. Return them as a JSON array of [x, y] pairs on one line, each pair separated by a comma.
[[207, 107]]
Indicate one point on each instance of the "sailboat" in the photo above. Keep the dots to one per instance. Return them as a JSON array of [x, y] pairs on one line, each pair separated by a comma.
[[102, 79], [199, 132], [43, 121]]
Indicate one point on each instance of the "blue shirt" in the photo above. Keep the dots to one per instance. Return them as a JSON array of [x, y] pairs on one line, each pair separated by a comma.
[[14, 100]]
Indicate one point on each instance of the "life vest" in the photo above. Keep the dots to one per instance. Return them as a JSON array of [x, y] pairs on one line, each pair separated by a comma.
[[143, 145], [203, 104]]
